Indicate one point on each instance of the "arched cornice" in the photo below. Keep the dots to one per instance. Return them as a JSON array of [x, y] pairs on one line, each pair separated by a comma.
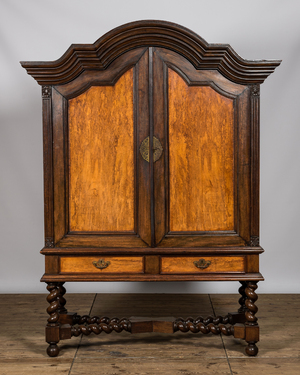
[[81, 57]]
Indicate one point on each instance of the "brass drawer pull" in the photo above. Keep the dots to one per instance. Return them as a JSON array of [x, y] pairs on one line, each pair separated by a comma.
[[202, 263], [157, 149], [101, 264]]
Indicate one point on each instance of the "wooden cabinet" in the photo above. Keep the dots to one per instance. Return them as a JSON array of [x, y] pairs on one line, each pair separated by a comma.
[[151, 165]]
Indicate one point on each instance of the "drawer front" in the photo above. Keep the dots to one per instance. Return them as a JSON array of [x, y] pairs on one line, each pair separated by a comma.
[[102, 264], [179, 265]]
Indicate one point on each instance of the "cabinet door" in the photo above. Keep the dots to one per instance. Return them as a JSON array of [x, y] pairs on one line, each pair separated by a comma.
[[201, 184], [101, 188], [151, 152]]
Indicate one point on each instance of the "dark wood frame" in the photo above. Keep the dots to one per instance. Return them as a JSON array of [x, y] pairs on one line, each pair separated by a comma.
[[102, 63]]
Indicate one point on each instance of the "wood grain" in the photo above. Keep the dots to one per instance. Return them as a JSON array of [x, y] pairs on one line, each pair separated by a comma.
[[59, 184], [252, 263], [94, 240], [101, 148], [186, 264], [117, 265], [201, 240], [161, 325], [152, 264], [201, 138], [51, 264], [244, 162]]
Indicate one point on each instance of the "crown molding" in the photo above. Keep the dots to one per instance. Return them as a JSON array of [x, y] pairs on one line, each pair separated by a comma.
[[98, 56]]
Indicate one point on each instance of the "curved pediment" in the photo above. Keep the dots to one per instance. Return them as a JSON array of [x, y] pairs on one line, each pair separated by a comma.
[[98, 56]]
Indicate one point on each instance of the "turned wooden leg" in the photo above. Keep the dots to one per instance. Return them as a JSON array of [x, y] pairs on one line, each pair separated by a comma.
[[251, 326], [243, 297], [57, 302], [62, 300]]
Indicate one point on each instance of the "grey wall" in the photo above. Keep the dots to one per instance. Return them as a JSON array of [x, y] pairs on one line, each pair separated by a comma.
[[39, 30]]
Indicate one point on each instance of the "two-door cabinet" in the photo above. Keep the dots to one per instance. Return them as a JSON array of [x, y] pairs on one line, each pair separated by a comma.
[[151, 172]]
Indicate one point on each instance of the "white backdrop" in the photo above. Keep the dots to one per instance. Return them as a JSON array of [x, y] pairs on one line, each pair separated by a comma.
[[35, 30]]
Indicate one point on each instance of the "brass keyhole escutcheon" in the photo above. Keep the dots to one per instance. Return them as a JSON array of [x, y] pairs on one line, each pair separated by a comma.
[[202, 263], [145, 149], [101, 264]]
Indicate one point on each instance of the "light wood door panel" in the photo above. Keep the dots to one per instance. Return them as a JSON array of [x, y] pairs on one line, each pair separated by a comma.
[[201, 157], [101, 158]]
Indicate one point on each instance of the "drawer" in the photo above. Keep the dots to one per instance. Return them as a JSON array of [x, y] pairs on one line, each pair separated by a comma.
[[205, 264], [102, 264]]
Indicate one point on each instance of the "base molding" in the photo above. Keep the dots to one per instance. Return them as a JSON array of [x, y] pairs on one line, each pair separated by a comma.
[[54, 278]]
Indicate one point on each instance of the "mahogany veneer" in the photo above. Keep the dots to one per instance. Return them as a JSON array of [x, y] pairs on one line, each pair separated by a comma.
[[151, 172]]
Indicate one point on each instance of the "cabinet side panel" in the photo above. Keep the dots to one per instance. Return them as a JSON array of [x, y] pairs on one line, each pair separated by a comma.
[[201, 157], [58, 165], [244, 164], [101, 158]]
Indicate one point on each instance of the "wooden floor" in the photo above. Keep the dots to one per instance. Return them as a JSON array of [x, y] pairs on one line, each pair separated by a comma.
[[23, 349]]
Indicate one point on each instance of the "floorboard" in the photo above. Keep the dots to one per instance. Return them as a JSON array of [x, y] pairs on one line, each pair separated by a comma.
[[22, 343]]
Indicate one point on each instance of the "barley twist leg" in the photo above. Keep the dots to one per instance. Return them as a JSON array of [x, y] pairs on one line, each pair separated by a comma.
[[252, 333], [57, 302]]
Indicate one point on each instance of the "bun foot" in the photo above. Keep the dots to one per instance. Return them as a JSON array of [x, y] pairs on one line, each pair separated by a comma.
[[53, 350], [251, 349]]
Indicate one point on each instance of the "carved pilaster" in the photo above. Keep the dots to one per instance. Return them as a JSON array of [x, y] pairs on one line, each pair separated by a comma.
[[48, 165], [254, 166]]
